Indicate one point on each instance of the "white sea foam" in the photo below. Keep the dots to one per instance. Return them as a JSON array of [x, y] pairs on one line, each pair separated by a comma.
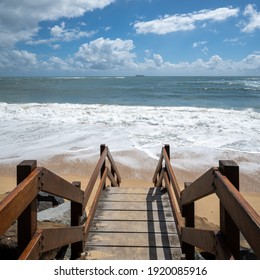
[[43, 130]]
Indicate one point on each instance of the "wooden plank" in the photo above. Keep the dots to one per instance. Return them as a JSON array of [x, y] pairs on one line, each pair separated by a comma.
[[131, 253], [131, 215], [133, 239], [94, 204], [57, 237], [75, 218], [227, 226], [133, 226], [112, 179], [175, 210], [188, 211], [33, 249], [208, 240], [140, 226], [56, 185], [17, 200], [113, 166], [103, 149], [244, 216], [27, 221], [134, 205], [160, 179], [172, 177], [131, 190], [158, 168], [133, 197], [93, 178], [200, 188]]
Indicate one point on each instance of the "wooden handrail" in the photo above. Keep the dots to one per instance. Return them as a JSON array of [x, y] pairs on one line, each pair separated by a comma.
[[209, 240], [113, 167], [41, 179], [53, 184], [158, 168], [94, 204], [172, 177], [51, 238], [16, 201], [200, 188], [33, 249], [213, 181], [241, 212], [94, 177]]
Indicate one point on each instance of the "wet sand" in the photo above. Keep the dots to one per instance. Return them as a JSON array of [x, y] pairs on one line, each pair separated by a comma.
[[137, 169]]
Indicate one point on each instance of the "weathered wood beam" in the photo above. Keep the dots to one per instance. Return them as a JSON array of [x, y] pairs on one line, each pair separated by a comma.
[[188, 211], [200, 188], [17, 200], [112, 179], [241, 212], [94, 205], [158, 168], [57, 237], [33, 249], [94, 177], [208, 240], [56, 185], [75, 220], [176, 212], [161, 177], [172, 177], [114, 167]]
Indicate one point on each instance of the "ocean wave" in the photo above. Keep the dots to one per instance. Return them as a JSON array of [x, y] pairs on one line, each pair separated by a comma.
[[47, 129]]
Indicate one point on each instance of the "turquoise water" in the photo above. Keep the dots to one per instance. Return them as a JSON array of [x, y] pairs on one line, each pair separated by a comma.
[[207, 92]]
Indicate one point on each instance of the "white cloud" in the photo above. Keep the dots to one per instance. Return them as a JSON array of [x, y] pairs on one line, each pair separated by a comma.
[[234, 41], [106, 54], [117, 57], [198, 44], [59, 33], [156, 62], [254, 19], [183, 22], [15, 60], [20, 18]]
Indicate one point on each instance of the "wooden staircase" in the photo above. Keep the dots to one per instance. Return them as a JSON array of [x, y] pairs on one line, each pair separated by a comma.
[[130, 223], [133, 223]]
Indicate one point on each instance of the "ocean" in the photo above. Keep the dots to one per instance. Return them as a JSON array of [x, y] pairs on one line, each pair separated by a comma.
[[202, 118]]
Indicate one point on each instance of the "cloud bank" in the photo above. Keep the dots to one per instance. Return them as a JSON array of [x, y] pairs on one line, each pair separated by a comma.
[[20, 18], [183, 22]]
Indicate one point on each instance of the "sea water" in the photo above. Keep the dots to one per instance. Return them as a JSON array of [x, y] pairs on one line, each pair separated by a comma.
[[202, 118]]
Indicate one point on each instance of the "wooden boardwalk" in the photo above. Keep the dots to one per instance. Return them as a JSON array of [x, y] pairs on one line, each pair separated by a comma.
[[133, 223]]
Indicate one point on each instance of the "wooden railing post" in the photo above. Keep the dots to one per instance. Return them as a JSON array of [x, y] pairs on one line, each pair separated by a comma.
[[27, 222], [230, 231], [167, 149], [103, 168], [76, 214], [189, 214], [113, 172]]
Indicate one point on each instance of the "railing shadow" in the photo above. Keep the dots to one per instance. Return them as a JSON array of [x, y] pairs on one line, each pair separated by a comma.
[[154, 205], [236, 215]]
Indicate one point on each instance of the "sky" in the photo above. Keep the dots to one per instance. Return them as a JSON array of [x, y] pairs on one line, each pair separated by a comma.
[[129, 37]]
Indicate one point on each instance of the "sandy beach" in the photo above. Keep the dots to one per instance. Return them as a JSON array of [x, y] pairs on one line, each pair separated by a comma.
[[137, 169]]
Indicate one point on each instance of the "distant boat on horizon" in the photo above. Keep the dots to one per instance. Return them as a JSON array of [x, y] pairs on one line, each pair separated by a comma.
[[139, 76]]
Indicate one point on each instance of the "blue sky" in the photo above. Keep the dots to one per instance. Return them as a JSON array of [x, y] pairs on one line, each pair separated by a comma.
[[128, 37]]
